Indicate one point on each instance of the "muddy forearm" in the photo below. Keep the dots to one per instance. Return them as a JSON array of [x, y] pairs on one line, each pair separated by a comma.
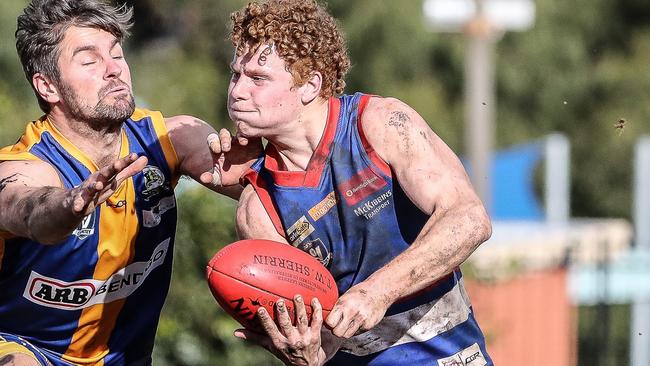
[[444, 243], [44, 214]]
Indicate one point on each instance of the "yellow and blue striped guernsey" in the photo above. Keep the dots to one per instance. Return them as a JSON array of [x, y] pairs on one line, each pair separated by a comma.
[[95, 298]]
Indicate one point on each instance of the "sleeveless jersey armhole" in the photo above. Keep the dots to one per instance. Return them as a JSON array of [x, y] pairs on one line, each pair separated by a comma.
[[252, 177], [158, 122], [17, 156], [372, 154]]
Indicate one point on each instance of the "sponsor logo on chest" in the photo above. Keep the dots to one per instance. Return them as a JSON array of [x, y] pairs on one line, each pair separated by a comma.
[[55, 293], [323, 207], [372, 207], [360, 186], [299, 230]]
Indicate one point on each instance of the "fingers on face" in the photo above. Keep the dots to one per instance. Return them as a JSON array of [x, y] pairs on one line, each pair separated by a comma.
[[213, 178], [225, 137], [243, 141], [213, 143]]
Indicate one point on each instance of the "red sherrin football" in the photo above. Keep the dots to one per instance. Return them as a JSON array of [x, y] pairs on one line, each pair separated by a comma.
[[248, 274]]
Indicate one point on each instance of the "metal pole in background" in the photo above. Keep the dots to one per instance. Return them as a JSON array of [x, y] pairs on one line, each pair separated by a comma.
[[483, 22], [479, 102], [557, 178], [640, 319]]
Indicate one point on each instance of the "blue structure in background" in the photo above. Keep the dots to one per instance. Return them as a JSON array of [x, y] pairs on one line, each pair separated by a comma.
[[513, 184]]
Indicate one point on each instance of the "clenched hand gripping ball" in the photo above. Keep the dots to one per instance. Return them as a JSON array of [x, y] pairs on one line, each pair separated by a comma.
[[251, 273]]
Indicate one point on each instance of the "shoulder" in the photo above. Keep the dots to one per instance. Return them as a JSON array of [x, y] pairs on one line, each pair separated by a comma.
[[386, 113], [379, 106], [141, 113], [29, 173], [175, 122], [389, 124], [182, 130]]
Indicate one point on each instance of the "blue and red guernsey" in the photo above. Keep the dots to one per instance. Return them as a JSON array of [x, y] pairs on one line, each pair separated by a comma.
[[348, 211], [96, 297]]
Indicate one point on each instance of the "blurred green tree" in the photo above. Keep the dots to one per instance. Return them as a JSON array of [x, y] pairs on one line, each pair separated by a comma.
[[17, 101]]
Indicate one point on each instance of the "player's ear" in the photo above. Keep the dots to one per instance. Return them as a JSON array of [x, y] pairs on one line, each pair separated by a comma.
[[45, 88], [312, 88]]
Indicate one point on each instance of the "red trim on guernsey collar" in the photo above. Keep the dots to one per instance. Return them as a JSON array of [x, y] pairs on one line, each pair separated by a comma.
[[311, 177]]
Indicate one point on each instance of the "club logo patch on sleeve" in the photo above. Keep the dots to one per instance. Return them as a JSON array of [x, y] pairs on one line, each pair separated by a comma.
[[55, 293]]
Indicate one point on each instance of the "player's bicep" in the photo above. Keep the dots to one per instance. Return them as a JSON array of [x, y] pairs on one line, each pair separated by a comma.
[[252, 220], [188, 136]]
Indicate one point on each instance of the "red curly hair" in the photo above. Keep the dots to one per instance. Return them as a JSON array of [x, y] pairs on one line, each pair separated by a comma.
[[305, 36]]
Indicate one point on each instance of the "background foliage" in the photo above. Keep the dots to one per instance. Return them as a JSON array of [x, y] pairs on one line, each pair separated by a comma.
[[578, 71]]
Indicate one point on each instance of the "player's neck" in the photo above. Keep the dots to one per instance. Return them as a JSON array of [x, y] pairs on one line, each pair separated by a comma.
[[101, 145], [297, 144]]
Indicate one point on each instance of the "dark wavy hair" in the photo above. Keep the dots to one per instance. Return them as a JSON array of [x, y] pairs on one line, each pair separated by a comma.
[[305, 36], [43, 24]]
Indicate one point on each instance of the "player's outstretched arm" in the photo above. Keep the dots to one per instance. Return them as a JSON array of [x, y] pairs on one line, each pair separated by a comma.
[[435, 181], [212, 159], [35, 205]]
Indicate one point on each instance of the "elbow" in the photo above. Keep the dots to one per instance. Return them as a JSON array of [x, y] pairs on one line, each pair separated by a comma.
[[486, 229], [483, 225]]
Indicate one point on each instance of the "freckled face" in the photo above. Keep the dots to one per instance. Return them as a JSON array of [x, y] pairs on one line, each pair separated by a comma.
[[95, 80], [262, 98]]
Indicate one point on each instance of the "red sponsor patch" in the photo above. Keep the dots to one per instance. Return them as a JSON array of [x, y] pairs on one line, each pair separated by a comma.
[[361, 186]]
